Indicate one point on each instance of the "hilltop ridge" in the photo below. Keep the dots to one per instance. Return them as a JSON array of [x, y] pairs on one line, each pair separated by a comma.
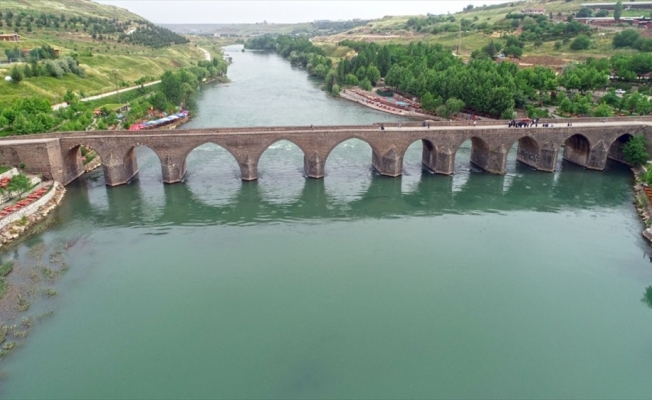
[[114, 46]]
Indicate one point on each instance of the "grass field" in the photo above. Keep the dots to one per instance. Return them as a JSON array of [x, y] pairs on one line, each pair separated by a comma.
[[131, 62]]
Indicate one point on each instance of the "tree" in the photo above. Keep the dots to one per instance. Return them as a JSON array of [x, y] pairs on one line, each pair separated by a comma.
[[603, 110], [492, 49], [584, 12], [19, 184], [581, 42], [373, 74], [513, 51], [429, 102], [365, 84], [69, 96], [16, 75], [454, 105], [618, 10], [171, 87], [635, 150], [626, 38], [602, 13]]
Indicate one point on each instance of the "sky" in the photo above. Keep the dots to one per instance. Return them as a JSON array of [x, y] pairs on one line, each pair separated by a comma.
[[232, 12]]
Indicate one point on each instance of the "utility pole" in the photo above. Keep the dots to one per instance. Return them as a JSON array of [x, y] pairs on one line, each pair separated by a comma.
[[115, 79], [459, 40]]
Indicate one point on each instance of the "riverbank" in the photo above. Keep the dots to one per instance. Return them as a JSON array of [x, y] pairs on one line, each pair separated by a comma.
[[643, 201], [365, 101], [22, 282]]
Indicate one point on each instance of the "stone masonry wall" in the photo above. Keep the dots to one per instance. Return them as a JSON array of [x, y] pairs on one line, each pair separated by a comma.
[[28, 210]]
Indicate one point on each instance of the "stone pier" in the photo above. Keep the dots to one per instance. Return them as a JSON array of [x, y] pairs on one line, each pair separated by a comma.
[[589, 144]]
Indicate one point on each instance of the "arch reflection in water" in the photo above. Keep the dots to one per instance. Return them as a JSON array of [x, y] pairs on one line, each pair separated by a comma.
[[380, 198], [463, 166], [212, 175], [348, 175], [413, 168], [280, 172], [647, 296]]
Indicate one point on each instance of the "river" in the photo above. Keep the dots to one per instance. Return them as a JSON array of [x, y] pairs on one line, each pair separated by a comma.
[[526, 285]]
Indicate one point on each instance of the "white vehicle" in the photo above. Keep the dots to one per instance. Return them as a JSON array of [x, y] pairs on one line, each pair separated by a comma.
[[620, 91]]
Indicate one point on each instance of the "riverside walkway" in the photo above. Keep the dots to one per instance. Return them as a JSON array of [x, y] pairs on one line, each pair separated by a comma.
[[589, 142]]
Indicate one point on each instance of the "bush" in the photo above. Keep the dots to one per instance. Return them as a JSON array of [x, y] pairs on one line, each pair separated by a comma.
[[582, 42], [603, 110], [365, 84], [16, 75], [626, 38], [53, 69], [635, 150]]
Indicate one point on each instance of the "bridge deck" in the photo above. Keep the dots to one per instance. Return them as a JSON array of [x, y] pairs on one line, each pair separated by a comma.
[[587, 142]]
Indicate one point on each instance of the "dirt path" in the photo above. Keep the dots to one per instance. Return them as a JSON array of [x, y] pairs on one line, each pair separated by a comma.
[[206, 53], [107, 94]]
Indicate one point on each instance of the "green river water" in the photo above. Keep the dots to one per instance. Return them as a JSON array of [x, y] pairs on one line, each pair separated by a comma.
[[527, 285]]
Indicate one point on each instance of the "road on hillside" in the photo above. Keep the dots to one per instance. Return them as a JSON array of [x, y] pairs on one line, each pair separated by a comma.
[[107, 94], [206, 53], [55, 107]]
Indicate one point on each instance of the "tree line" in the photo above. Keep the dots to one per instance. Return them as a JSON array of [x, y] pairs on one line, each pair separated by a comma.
[[146, 33], [177, 89], [446, 85]]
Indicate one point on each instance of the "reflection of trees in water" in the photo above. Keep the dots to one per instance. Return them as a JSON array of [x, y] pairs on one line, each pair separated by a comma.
[[647, 297]]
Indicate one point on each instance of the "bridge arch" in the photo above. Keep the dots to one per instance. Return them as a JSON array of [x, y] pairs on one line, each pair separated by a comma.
[[73, 160], [479, 151], [346, 139], [130, 158], [528, 151], [428, 153], [349, 175], [577, 148], [616, 148], [291, 146], [211, 162]]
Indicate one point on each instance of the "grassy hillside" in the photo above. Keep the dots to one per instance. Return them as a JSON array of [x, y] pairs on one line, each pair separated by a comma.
[[401, 29], [98, 56], [84, 8]]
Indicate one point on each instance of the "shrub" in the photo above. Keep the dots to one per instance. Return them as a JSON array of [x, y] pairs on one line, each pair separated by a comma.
[[53, 69], [626, 38], [16, 75], [635, 150], [603, 110], [582, 42]]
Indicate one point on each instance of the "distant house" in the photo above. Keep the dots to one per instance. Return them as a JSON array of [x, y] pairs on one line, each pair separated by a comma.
[[9, 37], [533, 11]]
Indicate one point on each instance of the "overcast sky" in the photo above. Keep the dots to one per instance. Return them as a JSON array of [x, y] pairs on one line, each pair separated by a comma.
[[211, 11]]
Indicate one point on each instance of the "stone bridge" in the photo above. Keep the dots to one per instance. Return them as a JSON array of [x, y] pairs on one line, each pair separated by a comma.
[[588, 142]]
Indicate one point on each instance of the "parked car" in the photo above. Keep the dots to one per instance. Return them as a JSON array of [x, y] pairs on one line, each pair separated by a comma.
[[620, 91]]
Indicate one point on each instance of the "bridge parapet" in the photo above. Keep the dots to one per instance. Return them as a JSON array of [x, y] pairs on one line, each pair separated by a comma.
[[589, 145]]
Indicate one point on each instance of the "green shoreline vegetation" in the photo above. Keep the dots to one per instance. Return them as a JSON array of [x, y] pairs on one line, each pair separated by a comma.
[[176, 90], [83, 48], [485, 87]]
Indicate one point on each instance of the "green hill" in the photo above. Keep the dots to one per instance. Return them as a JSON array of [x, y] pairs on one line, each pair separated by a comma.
[[479, 25], [112, 45]]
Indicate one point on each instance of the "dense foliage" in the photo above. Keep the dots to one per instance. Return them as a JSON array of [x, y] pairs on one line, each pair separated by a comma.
[[443, 81], [152, 36], [177, 89], [138, 32], [635, 150]]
